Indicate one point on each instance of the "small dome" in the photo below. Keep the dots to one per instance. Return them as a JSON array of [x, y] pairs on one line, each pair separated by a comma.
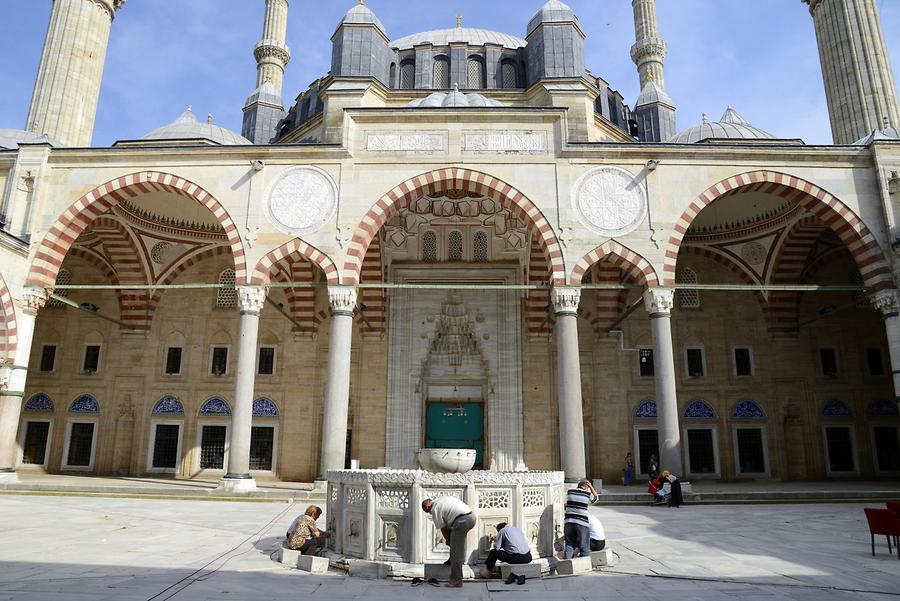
[[888, 133], [471, 36], [11, 138], [553, 11], [454, 99], [362, 15], [187, 127], [730, 127], [651, 94]]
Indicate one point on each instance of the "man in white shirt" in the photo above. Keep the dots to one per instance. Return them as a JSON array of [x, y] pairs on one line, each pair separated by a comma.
[[454, 519], [598, 535], [510, 546]]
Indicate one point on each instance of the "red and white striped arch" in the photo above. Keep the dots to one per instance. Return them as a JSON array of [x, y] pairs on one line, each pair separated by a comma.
[[264, 271], [8, 334], [59, 239], [443, 180], [634, 265], [831, 212]]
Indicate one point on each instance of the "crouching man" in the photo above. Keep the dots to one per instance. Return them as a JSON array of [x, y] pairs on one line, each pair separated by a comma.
[[454, 519]]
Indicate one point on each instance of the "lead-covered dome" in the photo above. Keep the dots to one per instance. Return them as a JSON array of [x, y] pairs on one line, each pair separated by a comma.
[[469, 35], [361, 15], [188, 128], [553, 11], [730, 127], [888, 133], [454, 99]]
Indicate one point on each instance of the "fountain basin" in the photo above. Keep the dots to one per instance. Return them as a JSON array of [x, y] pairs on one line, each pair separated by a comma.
[[446, 461]]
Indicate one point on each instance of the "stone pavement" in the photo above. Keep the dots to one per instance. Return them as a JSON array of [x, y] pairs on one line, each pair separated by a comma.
[[55, 548]]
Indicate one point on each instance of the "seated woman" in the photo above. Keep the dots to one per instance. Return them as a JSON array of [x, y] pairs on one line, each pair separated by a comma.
[[304, 535]]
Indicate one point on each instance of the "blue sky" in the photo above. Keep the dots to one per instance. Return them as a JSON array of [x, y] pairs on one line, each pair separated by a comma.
[[164, 55]]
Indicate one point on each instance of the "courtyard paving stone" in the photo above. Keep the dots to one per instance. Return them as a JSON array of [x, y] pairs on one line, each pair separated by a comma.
[[72, 548]]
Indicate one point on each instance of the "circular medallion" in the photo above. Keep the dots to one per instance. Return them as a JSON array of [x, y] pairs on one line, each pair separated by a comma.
[[301, 200], [609, 201], [754, 253], [159, 251]]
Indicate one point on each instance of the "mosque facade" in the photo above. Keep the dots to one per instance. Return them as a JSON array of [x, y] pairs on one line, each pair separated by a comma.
[[461, 238]]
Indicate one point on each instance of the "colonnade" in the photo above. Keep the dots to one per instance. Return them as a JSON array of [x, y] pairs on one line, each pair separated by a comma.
[[658, 302]]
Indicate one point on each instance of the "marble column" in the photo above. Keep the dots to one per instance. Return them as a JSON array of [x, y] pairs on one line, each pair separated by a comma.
[[888, 303], [568, 381], [237, 478], [659, 302], [33, 299], [337, 386]]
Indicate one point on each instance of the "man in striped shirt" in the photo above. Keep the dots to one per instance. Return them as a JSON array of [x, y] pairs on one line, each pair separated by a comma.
[[577, 524]]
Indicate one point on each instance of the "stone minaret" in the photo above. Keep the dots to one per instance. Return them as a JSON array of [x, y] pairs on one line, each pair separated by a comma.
[[64, 104], [859, 82], [654, 111], [649, 50], [265, 107]]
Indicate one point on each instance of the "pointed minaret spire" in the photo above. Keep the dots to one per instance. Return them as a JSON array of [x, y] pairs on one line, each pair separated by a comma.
[[265, 108], [649, 50]]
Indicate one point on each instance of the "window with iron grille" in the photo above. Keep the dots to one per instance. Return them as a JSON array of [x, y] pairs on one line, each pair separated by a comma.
[[262, 441], [173, 360], [696, 362], [688, 299], [441, 73], [828, 362], [887, 448], [648, 444], [743, 361], [701, 452], [81, 441], [839, 443], [34, 452], [212, 448], [63, 278], [91, 361], [510, 75], [645, 362], [407, 75], [874, 361], [219, 363], [429, 247], [165, 446], [455, 246], [48, 358], [476, 74], [226, 297], [266, 363], [751, 454], [480, 248]]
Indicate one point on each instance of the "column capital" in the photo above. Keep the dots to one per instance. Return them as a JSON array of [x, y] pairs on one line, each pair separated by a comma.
[[34, 299], [659, 300], [251, 299], [813, 5], [342, 299], [886, 301], [565, 300]]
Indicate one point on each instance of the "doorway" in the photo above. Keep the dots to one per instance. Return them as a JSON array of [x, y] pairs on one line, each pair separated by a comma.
[[456, 425]]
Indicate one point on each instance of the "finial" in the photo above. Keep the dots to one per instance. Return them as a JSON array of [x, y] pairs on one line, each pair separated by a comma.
[[459, 21], [209, 118], [190, 109], [705, 118], [362, 2], [269, 75], [649, 74], [887, 122], [456, 87]]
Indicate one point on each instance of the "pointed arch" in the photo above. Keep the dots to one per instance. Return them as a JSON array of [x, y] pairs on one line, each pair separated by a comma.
[[8, 335], [76, 218], [831, 212], [637, 267], [263, 272], [443, 180]]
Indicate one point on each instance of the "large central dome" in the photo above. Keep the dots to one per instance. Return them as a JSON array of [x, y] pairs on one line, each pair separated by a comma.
[[469, 35]]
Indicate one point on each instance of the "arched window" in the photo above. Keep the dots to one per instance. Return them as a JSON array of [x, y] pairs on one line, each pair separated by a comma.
[[476, 74], [429, 247], [168, 405], [85, 404], [699, 410], [407, 75], [455, 246], [214, 407], [39, 403], [392, 76], [748, 410], [480, 248], [265, 407], [63, 278], [510, 74], [688, 299], [441, 73], [226, 297]]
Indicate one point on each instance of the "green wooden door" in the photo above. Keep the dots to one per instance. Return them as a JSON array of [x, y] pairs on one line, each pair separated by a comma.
[[456, 426]]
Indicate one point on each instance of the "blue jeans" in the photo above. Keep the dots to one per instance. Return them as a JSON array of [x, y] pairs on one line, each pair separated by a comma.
[[629, 476], [578, 538]]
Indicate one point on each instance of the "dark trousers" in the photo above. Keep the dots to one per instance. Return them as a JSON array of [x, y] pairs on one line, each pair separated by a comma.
[[597, 545], [578, 538], [458, 532], [312, 546], [512, 558]]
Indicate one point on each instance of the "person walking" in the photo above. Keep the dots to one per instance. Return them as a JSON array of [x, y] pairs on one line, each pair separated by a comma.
[[653, 467], [454, 519], [629, 470], [577, 528], [510, 547]]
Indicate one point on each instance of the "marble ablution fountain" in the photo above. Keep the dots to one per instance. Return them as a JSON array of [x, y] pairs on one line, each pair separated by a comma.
[[380, 528]]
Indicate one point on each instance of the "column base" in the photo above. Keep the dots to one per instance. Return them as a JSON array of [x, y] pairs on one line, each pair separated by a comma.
[[237, 485]]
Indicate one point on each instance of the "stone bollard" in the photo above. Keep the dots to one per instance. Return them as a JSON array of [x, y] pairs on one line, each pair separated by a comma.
[[578, 565]]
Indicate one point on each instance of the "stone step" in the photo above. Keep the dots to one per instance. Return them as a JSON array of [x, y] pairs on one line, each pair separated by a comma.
[[578, 565], [313, 564], [442, 572], [603, 559], [531, 570]]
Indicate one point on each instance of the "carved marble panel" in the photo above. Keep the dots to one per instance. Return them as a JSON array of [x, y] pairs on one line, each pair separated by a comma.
[[302, 200], [505, 142], [428, 142], [610, 201]]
